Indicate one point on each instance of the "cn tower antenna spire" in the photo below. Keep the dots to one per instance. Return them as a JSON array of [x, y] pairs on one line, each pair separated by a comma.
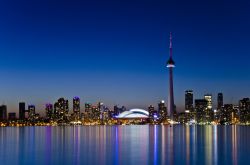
[[170, 45]]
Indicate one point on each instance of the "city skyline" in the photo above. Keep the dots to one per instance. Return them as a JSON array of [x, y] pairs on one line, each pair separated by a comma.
[[50, 50]]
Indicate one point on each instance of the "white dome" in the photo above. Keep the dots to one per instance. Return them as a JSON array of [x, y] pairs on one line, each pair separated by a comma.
[[134, 113]]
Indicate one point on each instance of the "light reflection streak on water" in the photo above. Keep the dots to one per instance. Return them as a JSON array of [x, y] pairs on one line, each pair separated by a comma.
[[215, 145], [163, 146], [119, 144], [155, 145], [116, 146], [234, 144], [187, 144], [208, 144]]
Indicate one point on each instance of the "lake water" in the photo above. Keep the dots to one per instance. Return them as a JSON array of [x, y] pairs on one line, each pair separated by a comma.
[[140, 145]]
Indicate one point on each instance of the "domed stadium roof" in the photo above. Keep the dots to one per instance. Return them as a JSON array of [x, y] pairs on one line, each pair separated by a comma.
[[134, 113]]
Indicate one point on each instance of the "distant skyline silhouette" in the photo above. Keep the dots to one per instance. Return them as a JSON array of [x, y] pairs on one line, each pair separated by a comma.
[[116, 51]]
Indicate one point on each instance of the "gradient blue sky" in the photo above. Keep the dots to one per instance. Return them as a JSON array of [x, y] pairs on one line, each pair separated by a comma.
[[115, 51]]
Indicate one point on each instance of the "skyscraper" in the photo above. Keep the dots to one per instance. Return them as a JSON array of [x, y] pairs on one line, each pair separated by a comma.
[[189, 107], [219, 101], [49, 111], [244, 107], [31, 112], [209, 114], [21, 110], [61, 109], [162, 110], [189, 100], [201, 109], [3, 112], [76, 107], [170, 65]]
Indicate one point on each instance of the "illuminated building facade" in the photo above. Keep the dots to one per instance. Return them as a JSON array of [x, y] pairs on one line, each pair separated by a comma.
[[49, 111], [201, 110], [189, 107], [244, 108], [76, 108], [209, 113], [61, 109], [162, 110], [31, 112]]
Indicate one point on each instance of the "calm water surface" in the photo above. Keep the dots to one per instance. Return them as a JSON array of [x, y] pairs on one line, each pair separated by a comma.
[[125, 145]]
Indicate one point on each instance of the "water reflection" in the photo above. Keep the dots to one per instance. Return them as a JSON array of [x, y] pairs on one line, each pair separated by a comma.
[[148, 144]]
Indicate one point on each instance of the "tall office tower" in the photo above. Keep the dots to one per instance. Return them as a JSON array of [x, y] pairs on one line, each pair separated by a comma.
[[219, 101], [21, 110], [49, 111], [189, 100], [209, 110], [201, 109], [31, 112], [217, 113], [171, 65], [61, 109], [88, 110], [162, 110], [3, 112], [76, 107], [244, 108], [152, 113], [189, 107], [227, 112]]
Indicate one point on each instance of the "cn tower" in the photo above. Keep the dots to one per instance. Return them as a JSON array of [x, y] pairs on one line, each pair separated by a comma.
[[170, 65]]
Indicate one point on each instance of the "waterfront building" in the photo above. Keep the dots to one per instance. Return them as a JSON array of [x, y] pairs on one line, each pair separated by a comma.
[[201, 110], [153, 115], [189, 107], [61, 109], [3, 112], [244, 108], [226, 114], [209, 113], [22, 111], [162, 110], [31, 112], [49, 111], [76, 108]]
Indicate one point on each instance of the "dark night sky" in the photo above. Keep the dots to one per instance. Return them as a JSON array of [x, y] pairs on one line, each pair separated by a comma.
[[115, 51]]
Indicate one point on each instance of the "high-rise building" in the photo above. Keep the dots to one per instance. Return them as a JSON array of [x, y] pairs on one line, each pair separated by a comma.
[[189, 107], [219, 101], [3, 112], [61, 109], [226, 115], [21, 110], [171, 65], [76, 107], [209, 111], [152, 113], [31, 112], [201, 110], [49, 111], [244, 108], [189, 100], [162, 110], [88, 110]]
